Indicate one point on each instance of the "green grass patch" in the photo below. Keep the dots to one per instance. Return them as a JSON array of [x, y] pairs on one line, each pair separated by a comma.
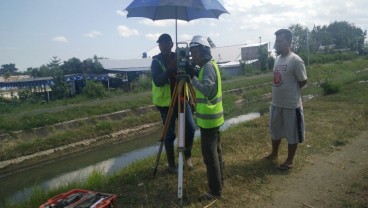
[[58, 138], [331, 121]]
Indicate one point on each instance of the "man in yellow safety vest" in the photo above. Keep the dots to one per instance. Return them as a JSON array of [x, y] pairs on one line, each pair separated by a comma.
[[209, 113], [164, 71]]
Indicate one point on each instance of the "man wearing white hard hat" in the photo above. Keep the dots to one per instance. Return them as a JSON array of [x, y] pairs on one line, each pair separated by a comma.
[[209, 113]]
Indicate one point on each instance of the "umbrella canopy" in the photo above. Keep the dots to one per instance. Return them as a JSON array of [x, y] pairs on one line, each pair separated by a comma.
[[175, 9]]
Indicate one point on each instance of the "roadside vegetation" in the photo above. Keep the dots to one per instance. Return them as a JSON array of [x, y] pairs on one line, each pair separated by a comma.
[[332, 120], [323, 79]]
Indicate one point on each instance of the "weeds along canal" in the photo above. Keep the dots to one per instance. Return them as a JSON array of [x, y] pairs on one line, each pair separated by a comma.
[[106, 159]]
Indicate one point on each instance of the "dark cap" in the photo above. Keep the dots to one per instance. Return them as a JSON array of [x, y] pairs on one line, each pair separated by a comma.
[[286, 32], [164, 37]]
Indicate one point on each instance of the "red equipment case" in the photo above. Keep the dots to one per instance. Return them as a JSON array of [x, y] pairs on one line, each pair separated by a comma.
[[81, 198]]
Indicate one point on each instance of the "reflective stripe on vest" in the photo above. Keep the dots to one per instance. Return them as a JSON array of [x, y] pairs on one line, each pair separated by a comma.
[[211, 102], [209, 113], [161, 95]]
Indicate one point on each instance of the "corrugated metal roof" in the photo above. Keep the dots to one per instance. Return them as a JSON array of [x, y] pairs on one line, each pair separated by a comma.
[[126, 65], [235, 63], [226, 53]]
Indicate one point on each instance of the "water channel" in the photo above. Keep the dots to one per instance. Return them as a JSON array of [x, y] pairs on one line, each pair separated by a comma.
[[106, 159]]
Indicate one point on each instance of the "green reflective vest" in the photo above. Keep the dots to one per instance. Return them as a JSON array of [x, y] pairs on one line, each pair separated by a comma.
[[209, 113], [161, 95]]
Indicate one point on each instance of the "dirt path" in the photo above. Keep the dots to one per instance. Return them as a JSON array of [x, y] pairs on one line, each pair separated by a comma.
[[326, 180]]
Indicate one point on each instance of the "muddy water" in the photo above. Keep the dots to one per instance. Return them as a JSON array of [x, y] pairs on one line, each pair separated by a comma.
[[106, 159]]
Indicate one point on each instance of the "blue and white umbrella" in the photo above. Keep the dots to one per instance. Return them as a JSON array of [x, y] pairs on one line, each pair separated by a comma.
[[175, 9]]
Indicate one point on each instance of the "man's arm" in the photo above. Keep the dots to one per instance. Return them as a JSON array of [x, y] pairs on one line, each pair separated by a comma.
[[208, 86], [302, 84], [301, 72], [159, 77]]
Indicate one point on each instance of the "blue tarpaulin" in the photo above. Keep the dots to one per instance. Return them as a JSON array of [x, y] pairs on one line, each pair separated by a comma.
[[48, 81]]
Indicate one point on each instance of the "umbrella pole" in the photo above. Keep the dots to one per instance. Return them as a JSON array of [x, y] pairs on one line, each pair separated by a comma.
[[176, 28]]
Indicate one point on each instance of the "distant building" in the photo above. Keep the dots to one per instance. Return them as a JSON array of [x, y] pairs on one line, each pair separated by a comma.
[[331, 49], [250, 52], [326, 48], [229, 58]]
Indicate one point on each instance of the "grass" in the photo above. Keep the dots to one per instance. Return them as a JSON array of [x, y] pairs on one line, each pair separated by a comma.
[[25, 117], [62, 137], [331, 121]]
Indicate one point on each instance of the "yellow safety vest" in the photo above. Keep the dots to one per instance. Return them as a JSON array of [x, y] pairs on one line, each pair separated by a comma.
[[210, 113], [161, 95]]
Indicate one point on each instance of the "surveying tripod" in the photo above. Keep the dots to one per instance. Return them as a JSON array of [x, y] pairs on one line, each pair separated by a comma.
[[179, 98]]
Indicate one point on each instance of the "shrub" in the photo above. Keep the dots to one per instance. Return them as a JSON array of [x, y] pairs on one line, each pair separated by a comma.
[[141, 84], [104, 127], [94, 90], [27, 96], [330, 88]]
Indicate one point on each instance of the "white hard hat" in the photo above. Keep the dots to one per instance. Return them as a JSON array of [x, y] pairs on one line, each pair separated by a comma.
[[199, 40]]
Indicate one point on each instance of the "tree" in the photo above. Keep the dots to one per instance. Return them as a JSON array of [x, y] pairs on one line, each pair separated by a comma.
[[346, 35], [8, 69], [92, 66], [54, 63], [7, 75], [320, 36], [263, 55], [300, 35], [44, 71], [59, 88], [341, 34], [34, 72], [72, 66]]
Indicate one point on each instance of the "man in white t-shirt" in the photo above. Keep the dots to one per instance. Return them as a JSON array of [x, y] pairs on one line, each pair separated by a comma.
[[286, 114]]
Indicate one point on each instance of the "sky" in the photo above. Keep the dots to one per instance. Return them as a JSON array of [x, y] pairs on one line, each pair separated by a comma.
[[32, 32]]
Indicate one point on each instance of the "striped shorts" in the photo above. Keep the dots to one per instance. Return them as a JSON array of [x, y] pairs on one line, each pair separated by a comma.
[[287, 123]]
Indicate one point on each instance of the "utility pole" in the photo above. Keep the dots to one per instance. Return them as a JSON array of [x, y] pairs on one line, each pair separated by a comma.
[[307, 48], [260, 39]]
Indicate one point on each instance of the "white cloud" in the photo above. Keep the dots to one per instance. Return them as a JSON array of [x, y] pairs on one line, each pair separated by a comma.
[[214, 34], [184, 37], [121, 13], [152, 36], [92, 34], [164, 23], [160, 23], [126, 32], [157, 23], [60, 39]]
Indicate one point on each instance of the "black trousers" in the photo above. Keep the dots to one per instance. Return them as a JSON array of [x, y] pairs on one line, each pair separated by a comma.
[[212, 156]]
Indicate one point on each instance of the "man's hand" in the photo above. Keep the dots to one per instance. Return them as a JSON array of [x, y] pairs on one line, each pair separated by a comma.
[[192, 71], [171, 66], [192, 105]]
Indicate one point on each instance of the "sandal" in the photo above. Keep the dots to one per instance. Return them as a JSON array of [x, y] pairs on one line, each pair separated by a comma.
[[284, 167], [207, 197]]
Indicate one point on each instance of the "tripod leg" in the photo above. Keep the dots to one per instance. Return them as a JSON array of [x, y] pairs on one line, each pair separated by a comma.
[[167, 124], [192, 92]]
